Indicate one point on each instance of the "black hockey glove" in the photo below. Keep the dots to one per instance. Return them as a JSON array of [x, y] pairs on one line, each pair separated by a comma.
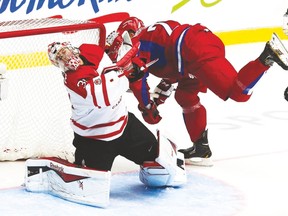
[[163, 90], [286, 94], [138, 70]]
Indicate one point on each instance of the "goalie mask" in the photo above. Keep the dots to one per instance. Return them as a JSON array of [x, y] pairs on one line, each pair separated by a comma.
[[64, 55], [131, 25]]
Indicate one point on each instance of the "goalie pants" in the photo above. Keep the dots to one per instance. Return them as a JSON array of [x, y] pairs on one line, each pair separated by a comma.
[[137, 144]]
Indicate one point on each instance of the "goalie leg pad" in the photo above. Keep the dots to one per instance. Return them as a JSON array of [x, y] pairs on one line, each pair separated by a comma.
[[168, 169], [153, 174], [65, 180]]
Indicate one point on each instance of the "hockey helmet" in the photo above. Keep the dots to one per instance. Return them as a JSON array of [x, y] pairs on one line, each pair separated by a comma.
[[131, 25], [64, 55]]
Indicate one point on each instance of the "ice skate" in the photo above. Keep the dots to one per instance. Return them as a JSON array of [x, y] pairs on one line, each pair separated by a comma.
[[275, 51], [199, 154]]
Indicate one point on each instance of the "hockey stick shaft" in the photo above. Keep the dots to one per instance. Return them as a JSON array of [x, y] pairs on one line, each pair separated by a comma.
[[152, 94]]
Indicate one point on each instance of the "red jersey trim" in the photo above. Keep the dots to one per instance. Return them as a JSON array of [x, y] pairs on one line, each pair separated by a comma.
[[105, 136], [104, 89], [93, 94], [83, 127]]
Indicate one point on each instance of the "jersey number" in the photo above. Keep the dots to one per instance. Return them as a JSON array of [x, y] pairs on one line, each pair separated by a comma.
[[164, 25]]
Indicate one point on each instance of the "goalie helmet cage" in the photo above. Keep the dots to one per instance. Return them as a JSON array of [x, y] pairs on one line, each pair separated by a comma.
[[35, 115]]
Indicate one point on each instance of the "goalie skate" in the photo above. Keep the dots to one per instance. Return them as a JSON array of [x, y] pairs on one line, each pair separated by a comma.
[[279, 50]]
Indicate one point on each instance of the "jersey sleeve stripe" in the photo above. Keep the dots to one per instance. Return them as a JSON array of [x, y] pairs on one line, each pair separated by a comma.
[[93, 93], [104, 88], [114, 133]]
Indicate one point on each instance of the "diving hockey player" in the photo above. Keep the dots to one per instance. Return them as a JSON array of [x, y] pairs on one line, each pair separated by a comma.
[[194, 58]]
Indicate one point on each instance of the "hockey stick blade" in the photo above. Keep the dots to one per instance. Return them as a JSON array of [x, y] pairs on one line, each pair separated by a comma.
[[149, 64]]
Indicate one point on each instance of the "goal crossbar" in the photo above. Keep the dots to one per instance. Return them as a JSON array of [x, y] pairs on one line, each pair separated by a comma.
[[18, 28]]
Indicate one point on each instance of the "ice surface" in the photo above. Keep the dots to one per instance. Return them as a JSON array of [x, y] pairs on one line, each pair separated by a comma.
[[128, 196]]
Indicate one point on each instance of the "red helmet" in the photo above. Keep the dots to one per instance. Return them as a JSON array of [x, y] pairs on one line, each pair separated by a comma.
[[131, 24]]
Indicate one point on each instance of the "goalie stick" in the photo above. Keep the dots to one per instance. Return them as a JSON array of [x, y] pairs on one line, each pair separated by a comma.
[[125, 64], [152, 94]]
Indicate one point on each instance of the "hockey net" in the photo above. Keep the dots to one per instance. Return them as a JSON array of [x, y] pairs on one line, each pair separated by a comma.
[[35, 114]]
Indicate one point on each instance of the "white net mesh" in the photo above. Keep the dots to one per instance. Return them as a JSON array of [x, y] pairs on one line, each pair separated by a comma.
[[34, 117], [33, 24]]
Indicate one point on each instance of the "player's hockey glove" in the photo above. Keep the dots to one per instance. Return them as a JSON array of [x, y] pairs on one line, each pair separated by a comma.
[[286, 94], [137, 70], [150, 113], [162, 91]]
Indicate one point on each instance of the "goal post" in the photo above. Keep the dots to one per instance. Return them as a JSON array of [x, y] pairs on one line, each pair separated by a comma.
[[35, 114]]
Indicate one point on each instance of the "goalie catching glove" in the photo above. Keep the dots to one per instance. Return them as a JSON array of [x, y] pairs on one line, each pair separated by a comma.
[[114, 41], [150, 113], [162, 91], [121, 51], [133, 67]]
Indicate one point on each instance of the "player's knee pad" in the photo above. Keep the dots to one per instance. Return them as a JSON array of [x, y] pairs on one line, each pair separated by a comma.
[[239, 96], [186, 98], [168, 169], [65, 180], [240, 92]]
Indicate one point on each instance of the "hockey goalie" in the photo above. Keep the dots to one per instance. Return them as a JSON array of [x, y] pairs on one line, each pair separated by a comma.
[[103, 129]]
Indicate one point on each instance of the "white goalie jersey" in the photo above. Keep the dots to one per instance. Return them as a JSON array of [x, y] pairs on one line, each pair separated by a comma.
[[98, 109]]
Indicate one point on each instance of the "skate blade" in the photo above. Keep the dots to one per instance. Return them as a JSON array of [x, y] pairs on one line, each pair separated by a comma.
[[280, 49], [197, 161]]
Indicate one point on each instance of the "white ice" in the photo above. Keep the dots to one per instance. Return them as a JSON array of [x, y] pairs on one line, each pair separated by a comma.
[[249, 144]]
